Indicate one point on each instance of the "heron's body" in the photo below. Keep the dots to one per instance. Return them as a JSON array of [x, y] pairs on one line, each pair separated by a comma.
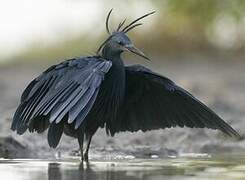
[[78, 96]]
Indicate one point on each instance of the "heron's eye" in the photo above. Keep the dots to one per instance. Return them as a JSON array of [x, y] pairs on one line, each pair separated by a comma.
[[120, 43]]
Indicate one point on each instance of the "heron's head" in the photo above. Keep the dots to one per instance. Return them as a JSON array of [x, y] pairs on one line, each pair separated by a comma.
[[118, 41]]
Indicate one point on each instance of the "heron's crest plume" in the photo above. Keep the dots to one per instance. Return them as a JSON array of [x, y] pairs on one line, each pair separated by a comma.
[[125, 29]]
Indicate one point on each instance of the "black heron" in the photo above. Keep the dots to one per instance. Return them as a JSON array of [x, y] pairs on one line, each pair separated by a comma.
[[82, 94]]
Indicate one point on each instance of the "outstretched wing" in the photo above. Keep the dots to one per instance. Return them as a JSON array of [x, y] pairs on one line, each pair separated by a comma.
[[64, 91], [153, 102]]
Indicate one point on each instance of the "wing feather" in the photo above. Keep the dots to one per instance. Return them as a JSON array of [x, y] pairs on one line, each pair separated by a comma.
[[81, 116], [64, 92], [153, 101]]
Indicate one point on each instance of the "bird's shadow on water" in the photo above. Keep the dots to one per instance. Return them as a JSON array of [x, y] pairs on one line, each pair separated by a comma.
[[83, 171], [109, 171]]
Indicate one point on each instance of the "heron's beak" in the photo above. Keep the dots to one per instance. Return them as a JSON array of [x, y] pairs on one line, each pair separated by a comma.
[[136, 51]]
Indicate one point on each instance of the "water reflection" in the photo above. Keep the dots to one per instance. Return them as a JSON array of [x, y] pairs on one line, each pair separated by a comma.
[[85, 172], [54, 171], [218, 168]]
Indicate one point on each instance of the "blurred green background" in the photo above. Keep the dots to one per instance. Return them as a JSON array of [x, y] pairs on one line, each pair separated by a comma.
[[47, 31]]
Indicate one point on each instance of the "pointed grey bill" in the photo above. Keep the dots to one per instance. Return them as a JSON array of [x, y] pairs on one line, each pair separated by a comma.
[[136, 51]]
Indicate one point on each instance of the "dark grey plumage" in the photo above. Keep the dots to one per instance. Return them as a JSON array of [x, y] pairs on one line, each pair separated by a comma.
[[80, 95]]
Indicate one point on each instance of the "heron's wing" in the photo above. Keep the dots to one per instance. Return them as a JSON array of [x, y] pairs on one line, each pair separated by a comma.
[[69, 88], [153, 101]]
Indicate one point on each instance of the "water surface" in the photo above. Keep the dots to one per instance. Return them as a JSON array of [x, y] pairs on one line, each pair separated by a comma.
[[189, 166]]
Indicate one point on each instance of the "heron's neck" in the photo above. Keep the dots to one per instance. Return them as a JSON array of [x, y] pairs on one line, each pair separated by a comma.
[[111, 55]]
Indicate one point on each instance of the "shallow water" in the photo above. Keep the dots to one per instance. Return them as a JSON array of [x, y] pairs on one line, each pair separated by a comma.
[[188, 166]]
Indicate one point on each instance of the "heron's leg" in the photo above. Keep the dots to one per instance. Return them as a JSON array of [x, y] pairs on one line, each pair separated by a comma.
[[80, 138], [89, 138]]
